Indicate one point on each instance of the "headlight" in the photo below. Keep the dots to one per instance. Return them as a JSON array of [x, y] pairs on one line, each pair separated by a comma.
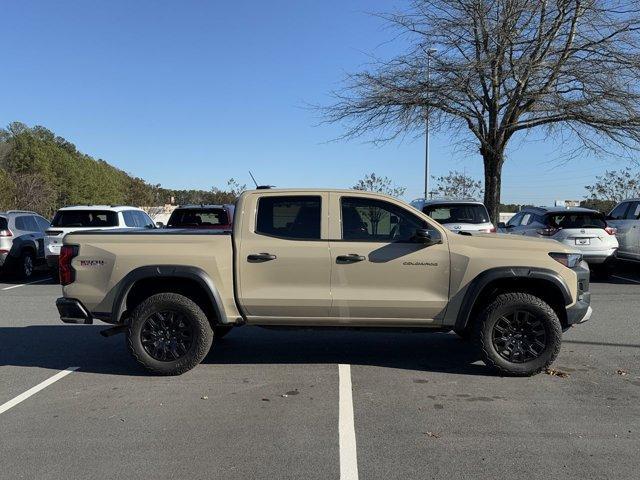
[[569, 260]]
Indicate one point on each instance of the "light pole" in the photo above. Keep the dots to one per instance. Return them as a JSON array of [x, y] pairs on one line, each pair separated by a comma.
[[429, 52]]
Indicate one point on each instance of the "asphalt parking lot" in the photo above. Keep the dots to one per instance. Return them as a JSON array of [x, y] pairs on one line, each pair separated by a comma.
[[276, 405]]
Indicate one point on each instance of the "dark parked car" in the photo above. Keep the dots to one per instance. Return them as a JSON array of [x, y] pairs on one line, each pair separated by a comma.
[[210, 217], [21, 241]]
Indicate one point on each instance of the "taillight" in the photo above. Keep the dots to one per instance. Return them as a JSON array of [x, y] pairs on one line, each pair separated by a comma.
[[67, 273], [6, 233], [489, 230], [611, 230], [547, 232]]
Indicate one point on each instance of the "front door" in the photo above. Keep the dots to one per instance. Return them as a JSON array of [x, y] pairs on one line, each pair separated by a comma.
[[379, 272], [283, 258]]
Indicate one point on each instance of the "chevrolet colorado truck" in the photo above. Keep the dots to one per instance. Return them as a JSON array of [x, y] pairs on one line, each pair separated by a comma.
[[324, 258]]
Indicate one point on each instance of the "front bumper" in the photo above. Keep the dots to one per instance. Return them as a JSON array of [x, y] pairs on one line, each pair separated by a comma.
[[73, 311], [581, 310]]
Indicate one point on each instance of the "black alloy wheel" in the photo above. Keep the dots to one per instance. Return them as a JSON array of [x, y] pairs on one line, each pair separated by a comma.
[[167, 335], [519, 336]]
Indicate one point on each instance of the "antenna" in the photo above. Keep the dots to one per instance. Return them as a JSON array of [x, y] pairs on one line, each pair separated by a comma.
[[253, 178]]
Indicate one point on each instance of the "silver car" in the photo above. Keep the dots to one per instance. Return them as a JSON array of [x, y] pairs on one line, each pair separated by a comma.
[[21, 241], [584, 229], [458, 215], [626, 218]]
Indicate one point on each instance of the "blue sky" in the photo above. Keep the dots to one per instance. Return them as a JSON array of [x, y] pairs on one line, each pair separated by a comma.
[[190, 93]]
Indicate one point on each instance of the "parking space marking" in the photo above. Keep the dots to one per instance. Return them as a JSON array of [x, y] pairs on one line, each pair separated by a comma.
[[625, 278], [32, 391], [28, 283], [346, 426]]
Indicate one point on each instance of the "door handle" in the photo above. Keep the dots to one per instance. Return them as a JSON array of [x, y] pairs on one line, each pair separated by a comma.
[[351, 258], [260, 257]]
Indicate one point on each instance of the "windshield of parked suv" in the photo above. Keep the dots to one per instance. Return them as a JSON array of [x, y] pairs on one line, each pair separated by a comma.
[[457, 213], [85, 218], [576, 220], [198, 218]]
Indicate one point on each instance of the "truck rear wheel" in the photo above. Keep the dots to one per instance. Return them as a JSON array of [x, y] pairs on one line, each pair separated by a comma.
[[518, 334], [169, 334]]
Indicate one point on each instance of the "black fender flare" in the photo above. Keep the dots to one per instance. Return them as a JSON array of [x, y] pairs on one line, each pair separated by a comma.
[[477, 285], [21, 243], [166, 271]]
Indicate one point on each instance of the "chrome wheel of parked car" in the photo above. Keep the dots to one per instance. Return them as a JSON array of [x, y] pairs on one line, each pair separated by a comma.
[[26, 265]]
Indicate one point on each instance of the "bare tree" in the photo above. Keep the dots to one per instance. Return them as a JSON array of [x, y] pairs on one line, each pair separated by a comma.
[[502, 67], [615, 186], [375, 183], [32, 192], [458, 185]]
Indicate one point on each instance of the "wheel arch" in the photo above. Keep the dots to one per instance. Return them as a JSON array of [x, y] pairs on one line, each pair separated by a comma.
[[192, 282], [543, 283]]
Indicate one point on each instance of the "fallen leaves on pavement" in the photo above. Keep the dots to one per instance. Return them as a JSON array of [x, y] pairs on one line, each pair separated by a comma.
[[556, 373]]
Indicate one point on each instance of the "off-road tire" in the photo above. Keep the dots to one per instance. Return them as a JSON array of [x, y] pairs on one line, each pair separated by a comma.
[[503, 305], [201, 339], [220, 331]]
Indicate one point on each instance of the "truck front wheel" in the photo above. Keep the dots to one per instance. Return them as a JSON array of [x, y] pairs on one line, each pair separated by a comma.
[[518, 334], [169, 334]]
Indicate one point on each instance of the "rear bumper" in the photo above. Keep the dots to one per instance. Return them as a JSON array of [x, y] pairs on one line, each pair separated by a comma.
[[599, 257], [581, 310], [73, 311]]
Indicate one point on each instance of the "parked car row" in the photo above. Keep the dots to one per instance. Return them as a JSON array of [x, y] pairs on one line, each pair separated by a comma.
[[601, 239], [28, 240]]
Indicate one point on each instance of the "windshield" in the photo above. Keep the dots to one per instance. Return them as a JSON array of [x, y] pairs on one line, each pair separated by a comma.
[[457, 213], [85, 218], [576, 220], [198, 217]]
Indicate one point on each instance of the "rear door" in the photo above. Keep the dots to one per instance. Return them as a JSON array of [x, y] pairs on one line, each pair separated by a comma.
[[379, 273], [626, 235], [283, 259]]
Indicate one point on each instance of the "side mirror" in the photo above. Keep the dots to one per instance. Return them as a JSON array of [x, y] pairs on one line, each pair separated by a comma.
[[159, 225], [502, 225], [427, 236]]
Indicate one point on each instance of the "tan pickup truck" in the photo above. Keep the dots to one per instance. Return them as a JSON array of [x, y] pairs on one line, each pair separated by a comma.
[[324, 258]]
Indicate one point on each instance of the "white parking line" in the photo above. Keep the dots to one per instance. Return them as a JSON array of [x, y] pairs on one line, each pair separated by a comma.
[[346, 427], [32, 391], [28, 283], [625, 278]]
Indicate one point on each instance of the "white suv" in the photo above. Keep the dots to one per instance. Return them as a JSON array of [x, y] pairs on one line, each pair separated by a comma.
[[90, 217], [580, 228], [457, 215]]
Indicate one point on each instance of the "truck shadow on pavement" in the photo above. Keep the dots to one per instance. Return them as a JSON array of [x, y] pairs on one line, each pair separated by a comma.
[[57, 347]]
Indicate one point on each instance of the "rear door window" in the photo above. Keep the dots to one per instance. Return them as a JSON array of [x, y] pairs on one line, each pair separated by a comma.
[[198, 217], [85, 219], [457, 213], [43, 224], [634, 211], [619, 212], [26, 223], [291, 217]]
